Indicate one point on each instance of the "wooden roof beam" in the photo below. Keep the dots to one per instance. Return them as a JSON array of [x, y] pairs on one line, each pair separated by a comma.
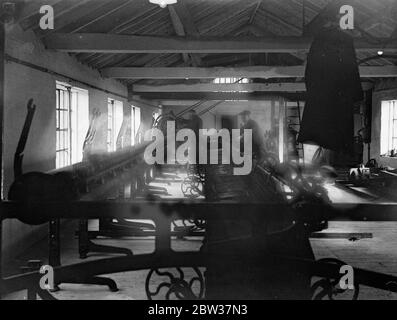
[[394, 10], [183, 25], [258, 31], [217, 96], [253, 15], [212, 87], [228, 87], [115, 43], [229, 13], [203, 73], [264, 72], [317, 22]]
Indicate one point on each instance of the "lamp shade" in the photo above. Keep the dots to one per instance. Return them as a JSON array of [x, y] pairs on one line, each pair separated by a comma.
[[163, 3]]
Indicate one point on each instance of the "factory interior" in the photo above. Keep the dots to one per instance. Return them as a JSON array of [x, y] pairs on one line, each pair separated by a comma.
[[87, 84]]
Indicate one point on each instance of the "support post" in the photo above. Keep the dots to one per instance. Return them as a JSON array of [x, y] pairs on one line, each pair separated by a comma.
[[54, 244], [2, 78], [83, 238], [163, 235], [281, 130]]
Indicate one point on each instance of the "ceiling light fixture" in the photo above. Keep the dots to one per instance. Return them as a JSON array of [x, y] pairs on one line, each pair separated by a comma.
[[380, 53], [163, 3]]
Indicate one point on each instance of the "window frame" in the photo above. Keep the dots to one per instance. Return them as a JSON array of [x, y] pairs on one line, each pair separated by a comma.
[[68, 139], [391, 133], [113, 123], [63, 131], [135, 125]]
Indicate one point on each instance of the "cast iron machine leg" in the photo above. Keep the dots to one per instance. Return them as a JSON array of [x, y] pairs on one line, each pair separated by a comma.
[[54, 245], [86, 245]]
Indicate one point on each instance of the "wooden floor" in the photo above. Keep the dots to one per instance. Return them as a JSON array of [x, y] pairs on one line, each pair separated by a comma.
[[377, 254]]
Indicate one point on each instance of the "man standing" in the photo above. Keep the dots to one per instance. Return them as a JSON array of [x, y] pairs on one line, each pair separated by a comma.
[[195, 123], [257, 134]]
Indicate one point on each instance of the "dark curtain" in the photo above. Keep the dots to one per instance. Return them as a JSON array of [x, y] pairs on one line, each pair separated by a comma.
[[333, 87]]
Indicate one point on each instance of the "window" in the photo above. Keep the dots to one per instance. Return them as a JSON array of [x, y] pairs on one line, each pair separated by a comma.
[[388, 140], [72, 122], [135, 124], [115, 120], [155, 116], [231, 80]]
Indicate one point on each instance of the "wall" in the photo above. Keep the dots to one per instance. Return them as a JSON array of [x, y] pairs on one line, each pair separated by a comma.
[[208, 118], [260, 112], [147, 110], [265, 113], [382, 92], [23, 83]]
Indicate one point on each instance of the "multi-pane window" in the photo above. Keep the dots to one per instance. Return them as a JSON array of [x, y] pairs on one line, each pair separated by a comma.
[[72, 122], [231, 80], [135, 125], [115, 121], [227, 81], [388, 141], [62, 126]]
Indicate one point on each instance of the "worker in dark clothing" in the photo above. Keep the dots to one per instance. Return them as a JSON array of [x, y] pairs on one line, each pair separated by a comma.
[[263, 277], [293, 154], [257, 134], [194, 122], [333, 88]]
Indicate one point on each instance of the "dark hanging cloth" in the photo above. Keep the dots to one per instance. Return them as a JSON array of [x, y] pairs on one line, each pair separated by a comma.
[[196, 124], [333, 87], [257, 136]]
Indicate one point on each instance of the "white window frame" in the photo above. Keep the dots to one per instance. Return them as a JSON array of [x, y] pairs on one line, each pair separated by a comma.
[[136, 120], [388, 135], [230, 80], [72, 110], [114, 123]]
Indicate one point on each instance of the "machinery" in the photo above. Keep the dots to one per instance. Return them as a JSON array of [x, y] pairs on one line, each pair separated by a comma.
[[256, 229]]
